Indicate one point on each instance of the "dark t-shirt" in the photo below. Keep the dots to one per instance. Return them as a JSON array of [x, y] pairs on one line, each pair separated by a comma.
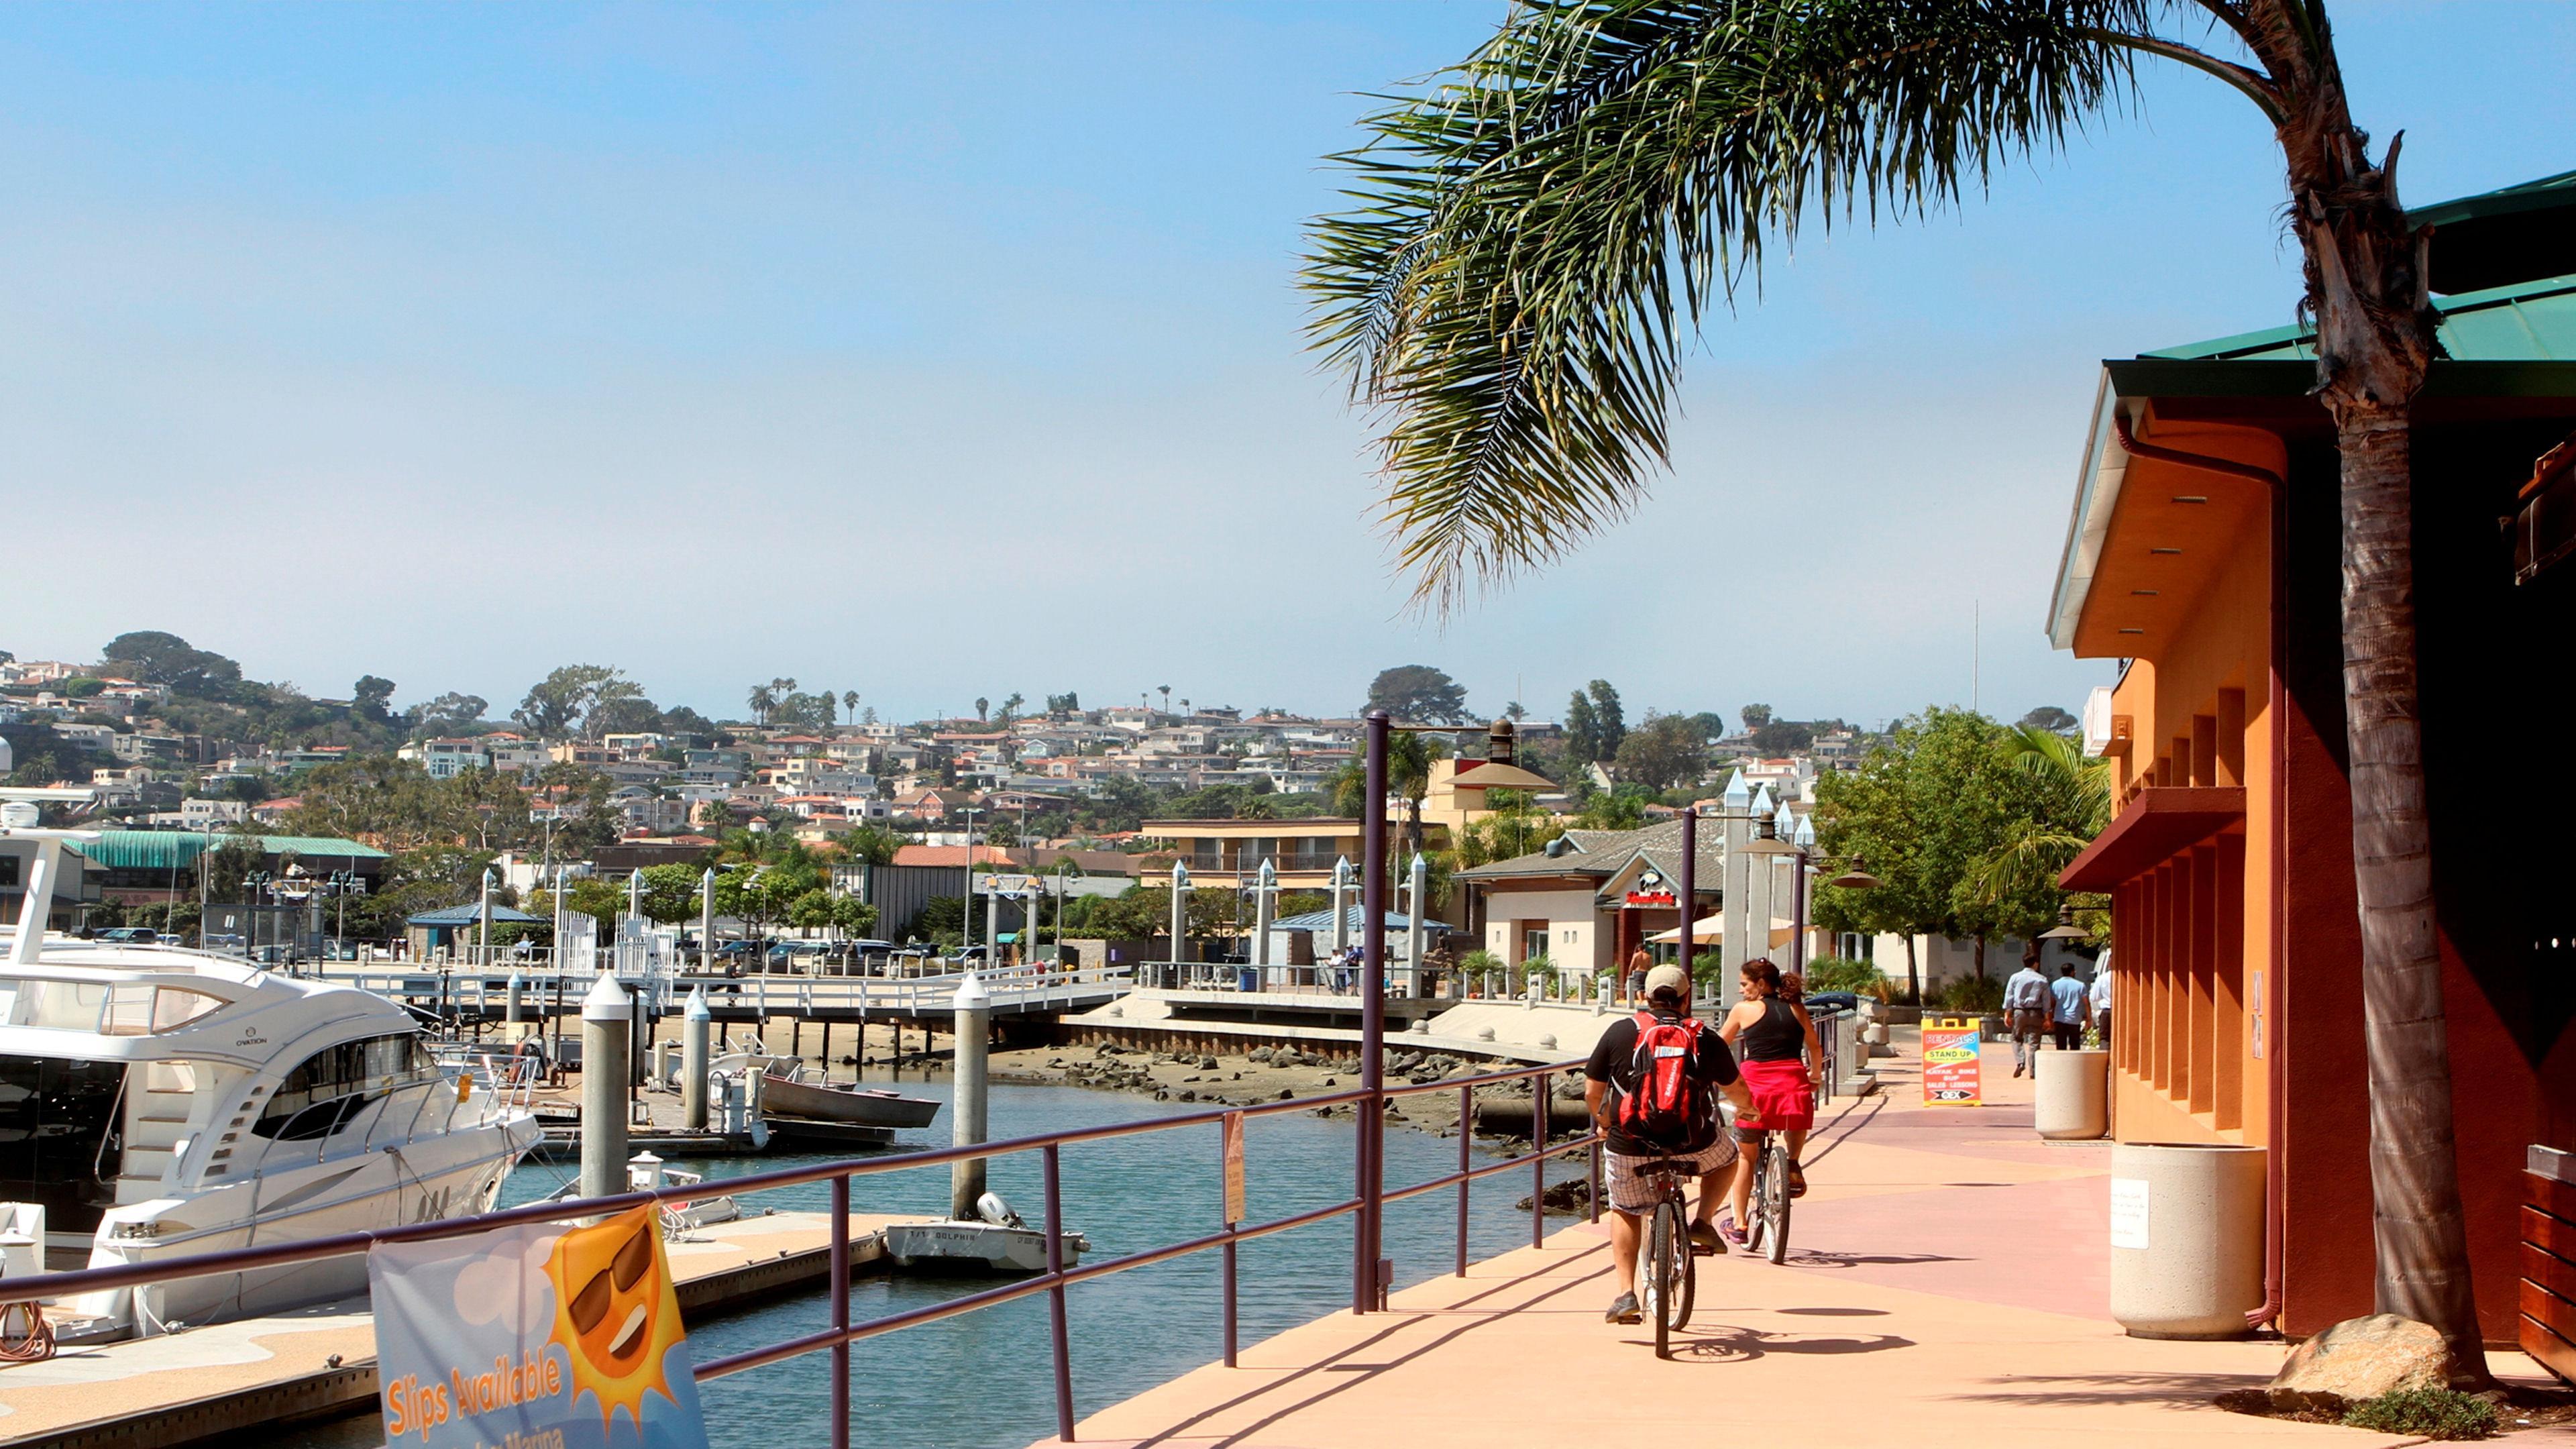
[[1614, 1060]]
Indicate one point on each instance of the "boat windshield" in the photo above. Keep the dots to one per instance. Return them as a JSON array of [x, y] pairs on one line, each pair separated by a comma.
[[59, 1138], [111, 1008]]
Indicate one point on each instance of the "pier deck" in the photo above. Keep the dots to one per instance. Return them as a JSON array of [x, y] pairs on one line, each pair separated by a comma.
[[1946, 1284], [160, 1391]]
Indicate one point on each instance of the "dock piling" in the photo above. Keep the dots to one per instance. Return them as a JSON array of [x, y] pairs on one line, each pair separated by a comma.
[[695, 1024], [607, 1040], [974, 1030]]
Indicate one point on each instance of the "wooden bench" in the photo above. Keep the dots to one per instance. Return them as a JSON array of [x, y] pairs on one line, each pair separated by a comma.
[[2549, 1260]]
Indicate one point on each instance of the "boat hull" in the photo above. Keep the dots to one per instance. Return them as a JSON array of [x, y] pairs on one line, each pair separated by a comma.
[[974, 1247], [816, 1102]]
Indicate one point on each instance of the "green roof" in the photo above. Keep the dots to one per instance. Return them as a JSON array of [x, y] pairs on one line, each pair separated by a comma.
[[2513, 234], [179, 849], [2525, 322]]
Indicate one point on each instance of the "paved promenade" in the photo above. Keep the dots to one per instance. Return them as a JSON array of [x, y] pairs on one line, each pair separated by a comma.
[[1947, 1285]]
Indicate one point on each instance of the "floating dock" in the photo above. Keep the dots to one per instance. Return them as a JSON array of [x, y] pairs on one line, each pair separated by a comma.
[[150, 1393]]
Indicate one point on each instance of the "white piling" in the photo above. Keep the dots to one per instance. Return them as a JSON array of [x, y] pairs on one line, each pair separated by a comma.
[[974, 1024], [695, 1024], [607, 1027]]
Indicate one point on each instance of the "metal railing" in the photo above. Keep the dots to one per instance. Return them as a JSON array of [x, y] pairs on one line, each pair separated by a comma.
[[1013, 987], [1365, 1207]]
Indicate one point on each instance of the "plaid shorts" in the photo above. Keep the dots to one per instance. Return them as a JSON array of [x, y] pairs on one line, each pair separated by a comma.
[[1631, 1192]]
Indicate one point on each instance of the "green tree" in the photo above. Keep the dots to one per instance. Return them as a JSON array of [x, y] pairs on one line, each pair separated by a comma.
[[154, 657], [1582, 730], [2049, 717], [1665, 752], [1408, 779], [1417, 694], [574, 696], [1755, 716], [448, 714], [1609, 725], [1535, 232], [672, 893], [369, 697]]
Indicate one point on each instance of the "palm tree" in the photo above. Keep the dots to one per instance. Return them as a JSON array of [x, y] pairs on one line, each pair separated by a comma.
[[2073, 806], [763, 699], [850, 702], [1167, 697], [1536, 233]]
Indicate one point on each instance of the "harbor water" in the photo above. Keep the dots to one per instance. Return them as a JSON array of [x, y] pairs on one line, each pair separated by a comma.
[[983, 1380]]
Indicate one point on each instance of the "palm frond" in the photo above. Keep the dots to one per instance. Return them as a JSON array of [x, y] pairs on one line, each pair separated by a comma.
[[1533, 235]]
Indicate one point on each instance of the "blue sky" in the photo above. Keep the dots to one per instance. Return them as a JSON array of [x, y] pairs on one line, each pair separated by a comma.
[[945, 351]]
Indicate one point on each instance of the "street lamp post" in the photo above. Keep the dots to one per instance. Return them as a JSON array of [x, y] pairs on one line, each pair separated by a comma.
[[1180, 917], [966, 917]]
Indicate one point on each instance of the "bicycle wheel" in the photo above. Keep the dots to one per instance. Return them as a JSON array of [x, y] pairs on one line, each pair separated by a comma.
[[1775, 1199], [1684, 1273], [1657, 1279]]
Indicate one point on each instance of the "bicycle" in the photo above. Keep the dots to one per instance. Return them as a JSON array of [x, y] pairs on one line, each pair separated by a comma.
[[1669, 1280], [1768, 1233]]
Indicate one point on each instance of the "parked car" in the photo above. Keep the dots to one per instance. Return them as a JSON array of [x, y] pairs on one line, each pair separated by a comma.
[[131, 936], [1832, 1001], [223, 941]]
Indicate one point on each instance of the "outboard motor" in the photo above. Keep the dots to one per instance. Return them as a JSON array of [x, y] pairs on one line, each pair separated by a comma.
[[992, 1209]]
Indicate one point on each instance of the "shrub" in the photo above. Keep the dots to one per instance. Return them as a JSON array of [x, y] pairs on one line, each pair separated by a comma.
[[1972, 993], [2432, 1413], [1841, 973], [1480, 960]]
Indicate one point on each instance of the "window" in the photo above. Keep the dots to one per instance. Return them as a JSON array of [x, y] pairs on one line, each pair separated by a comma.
[[1533, 942], [335, 1084], [59, 1143]]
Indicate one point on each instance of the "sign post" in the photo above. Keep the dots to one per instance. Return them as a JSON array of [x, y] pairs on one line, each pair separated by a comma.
[[1950, 1064]]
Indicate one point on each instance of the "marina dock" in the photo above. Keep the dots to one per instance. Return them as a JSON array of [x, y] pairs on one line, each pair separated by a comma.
[[153, 1392]]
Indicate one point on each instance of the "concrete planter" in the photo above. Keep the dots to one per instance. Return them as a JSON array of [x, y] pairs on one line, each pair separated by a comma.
[[2074, 1094], [2186, 1238]]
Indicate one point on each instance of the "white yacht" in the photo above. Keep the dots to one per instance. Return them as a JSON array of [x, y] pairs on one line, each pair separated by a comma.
[[157, 1101]]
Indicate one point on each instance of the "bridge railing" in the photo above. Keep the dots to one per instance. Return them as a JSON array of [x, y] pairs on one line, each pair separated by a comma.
[[1364, 1207]]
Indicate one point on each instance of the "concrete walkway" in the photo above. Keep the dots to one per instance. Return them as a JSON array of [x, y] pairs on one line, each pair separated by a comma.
[[1948, 1284]]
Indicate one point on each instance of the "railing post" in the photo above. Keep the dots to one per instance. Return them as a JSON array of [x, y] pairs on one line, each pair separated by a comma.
[[1055, 1298], [1225, 1209], [1541, 1089], [1372, 1123], [841, 1311], [1466, 1161]]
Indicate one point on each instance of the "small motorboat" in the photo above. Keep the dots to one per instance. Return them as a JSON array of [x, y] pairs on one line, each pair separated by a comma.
[[789, 1093], [994, 1241]]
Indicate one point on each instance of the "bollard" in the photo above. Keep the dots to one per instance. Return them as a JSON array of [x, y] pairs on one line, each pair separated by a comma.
[[974, 1025], [695, 1023], [516, 1014], [606, 1042]]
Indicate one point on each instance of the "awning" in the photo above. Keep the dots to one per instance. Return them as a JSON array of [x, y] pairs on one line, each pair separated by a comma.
[[2164, 819]]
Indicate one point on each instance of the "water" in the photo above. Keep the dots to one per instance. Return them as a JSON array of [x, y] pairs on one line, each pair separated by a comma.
[[983, 1380]]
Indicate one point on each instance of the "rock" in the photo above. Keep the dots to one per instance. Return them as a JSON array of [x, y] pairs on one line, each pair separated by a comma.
[[1237, 1077], [1207, 1064], [1261, 1056], [1328, 1081], [1569, 1091], [1285, 1094], [1188, 1095], [1162, 1096], [2361, 1358], [1572, 1196]]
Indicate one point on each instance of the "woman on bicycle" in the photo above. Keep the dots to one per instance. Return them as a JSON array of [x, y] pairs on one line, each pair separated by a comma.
[[1775, 1043]]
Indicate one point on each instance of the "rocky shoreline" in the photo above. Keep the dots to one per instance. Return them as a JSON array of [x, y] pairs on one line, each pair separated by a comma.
[[1268, 1074]]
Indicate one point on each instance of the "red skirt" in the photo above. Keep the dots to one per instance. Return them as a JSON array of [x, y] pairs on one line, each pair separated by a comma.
[[1782, 1100]]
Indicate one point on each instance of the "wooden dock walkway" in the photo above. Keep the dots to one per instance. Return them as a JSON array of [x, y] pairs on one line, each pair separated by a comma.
[[154, 1392]]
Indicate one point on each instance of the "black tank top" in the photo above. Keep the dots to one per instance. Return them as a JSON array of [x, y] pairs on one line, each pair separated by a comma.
[[1777, 1037]]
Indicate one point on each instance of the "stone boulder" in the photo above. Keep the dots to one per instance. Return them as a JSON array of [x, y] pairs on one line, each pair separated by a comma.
[[2361, 1358]]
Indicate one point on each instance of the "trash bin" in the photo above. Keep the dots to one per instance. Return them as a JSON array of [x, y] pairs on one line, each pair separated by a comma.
[[2073, 1097], [2186, 1238], [1247, 979]]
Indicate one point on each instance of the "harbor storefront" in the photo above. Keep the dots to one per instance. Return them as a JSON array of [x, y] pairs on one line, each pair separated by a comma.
[[2205, 552]]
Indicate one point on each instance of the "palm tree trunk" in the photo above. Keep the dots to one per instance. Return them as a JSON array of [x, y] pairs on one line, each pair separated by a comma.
[[2422, 1240]]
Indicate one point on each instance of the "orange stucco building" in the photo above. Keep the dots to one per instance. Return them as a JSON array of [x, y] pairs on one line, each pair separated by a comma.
[[2204, 551]]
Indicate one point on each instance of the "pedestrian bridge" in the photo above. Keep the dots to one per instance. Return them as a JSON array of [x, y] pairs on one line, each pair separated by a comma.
[[484, 994]]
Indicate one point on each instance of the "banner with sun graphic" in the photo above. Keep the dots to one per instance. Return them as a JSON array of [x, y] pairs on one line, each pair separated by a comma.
[[534, 1337]]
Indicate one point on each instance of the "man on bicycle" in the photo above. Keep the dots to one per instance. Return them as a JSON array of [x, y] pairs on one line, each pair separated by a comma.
[[1652, 1086]]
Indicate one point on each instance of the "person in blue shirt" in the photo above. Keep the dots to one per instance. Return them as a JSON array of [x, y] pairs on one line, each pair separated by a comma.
[[2066, 1010]]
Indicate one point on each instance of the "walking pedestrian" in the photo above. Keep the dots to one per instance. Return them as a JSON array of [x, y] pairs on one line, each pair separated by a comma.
[[1640, 961], [2100, 1002], [2066, 1009], [2026, 1008]]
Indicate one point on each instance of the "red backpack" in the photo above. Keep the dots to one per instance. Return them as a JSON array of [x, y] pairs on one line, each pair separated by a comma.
[[1664, 1102]]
